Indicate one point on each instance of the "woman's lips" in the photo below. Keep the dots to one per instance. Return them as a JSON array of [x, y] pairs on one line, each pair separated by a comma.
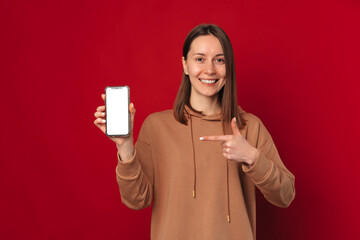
[[208, 81]]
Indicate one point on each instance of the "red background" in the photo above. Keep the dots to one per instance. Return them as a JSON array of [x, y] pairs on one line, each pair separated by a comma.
[[297, 65]]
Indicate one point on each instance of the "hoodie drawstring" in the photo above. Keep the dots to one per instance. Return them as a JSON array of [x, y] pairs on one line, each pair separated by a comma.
[[193, 151], [227, 191], [227, 182]]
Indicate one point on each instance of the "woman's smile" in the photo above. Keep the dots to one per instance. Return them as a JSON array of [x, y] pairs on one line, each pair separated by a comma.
[[208, 81]]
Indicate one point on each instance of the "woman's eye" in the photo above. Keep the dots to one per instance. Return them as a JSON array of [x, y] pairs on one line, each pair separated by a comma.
[[220, 60], [199, 59]]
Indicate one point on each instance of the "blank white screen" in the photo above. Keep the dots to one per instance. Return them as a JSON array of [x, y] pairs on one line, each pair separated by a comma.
[[117, 111]]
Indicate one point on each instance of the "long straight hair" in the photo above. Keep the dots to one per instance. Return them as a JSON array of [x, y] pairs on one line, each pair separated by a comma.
[[227, 97]]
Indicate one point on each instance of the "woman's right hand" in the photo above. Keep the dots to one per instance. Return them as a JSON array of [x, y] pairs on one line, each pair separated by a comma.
[[125, 145]]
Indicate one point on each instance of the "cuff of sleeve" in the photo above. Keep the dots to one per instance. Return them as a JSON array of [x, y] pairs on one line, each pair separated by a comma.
[[128, 170], [260, 171]]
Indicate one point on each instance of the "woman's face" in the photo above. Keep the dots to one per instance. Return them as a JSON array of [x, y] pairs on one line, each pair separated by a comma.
[[205, 65]]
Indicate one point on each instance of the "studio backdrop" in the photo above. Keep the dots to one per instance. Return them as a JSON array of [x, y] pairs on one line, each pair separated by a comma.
[[297, 66]]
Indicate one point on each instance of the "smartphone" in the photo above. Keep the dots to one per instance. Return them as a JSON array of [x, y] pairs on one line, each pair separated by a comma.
[[117, 101]]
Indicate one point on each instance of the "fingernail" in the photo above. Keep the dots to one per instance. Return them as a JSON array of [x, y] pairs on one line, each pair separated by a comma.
[[103, 120], [201, 138], [235, 119]]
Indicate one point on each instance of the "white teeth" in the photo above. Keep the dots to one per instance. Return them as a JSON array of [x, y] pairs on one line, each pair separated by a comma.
[[207, 81]]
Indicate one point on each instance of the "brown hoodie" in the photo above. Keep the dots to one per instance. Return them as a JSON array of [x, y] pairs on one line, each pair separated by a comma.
[[196, 192]]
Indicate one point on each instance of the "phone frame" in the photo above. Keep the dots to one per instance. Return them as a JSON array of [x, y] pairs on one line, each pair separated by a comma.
[[128, 102]]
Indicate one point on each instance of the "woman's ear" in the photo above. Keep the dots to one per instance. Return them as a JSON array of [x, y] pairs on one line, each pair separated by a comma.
[[184, 66]]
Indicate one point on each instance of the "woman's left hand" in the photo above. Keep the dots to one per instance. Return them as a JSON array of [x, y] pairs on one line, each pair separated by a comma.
[[235, 147]]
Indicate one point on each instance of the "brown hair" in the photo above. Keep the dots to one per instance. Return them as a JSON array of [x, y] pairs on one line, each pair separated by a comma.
[[227, 95]]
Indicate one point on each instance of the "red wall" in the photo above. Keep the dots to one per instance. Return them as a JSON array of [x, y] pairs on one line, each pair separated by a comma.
[[297, 64]]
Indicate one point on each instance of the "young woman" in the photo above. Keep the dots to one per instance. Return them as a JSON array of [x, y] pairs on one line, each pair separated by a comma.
[[200, 163]]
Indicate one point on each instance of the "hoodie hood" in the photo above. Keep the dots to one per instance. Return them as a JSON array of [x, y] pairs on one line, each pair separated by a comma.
[[193, 113]]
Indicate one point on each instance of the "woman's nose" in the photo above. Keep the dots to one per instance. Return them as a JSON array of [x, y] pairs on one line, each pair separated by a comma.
[[210, 68]]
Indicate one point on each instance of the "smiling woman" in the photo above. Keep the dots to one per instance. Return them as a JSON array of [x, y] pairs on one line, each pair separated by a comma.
[[200, 163]]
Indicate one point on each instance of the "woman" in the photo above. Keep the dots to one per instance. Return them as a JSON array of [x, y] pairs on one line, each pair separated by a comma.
[[200, 162]]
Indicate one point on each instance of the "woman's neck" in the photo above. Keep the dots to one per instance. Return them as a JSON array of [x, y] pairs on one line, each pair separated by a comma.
[[206, 105]]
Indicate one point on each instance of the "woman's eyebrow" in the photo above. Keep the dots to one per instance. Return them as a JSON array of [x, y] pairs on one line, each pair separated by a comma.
[[202, 54]]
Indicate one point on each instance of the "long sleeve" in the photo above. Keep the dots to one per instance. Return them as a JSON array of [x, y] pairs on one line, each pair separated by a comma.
[[269, 174], [136, 177]]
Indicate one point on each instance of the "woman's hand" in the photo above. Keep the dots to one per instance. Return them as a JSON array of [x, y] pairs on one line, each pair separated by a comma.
[[235, 147], [125, 145]]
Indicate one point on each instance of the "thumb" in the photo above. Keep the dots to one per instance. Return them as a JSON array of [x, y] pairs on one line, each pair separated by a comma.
[[234, 127], [132, 114], [132, 111]]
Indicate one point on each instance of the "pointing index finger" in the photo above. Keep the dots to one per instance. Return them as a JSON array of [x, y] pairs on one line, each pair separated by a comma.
[[215, 138]]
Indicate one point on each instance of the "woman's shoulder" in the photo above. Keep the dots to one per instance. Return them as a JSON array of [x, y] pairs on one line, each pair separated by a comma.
[[158, 122], [160, 117], [253, 123], [255, 127]]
